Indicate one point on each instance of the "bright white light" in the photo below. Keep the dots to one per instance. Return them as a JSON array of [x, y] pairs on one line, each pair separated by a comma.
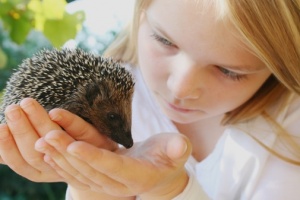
[[103, 15]]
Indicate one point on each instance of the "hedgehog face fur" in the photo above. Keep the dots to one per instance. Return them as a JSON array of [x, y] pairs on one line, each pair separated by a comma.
[[114, 120], [95, 88]]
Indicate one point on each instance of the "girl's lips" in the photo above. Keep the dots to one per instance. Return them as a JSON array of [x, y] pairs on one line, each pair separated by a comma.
[[183, 110], [176, 107]]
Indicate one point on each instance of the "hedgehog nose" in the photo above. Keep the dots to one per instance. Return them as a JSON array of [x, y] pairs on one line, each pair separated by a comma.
[[128, 141], [128, 145]]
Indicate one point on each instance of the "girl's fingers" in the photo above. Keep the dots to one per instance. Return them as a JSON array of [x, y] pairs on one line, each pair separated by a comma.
[[8, 149], [22, 137], [66, 165], [157, 158], [80, 129], [12, 157], [160, 148], [124, 172], [38, 116], [66, 174], [112, 184], [57, 161], [130, 176], [97, 157]]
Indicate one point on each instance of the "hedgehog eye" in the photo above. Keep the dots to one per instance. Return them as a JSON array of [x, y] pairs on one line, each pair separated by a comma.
[[112, 116]]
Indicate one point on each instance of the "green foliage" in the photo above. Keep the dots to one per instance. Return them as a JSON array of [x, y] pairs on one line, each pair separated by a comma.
[[3, 59], [68, 24], [14, 187], [13, 53], [19, 17], [16, 18]]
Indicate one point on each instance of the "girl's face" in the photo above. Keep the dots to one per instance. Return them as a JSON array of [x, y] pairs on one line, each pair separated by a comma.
[[195, 66]]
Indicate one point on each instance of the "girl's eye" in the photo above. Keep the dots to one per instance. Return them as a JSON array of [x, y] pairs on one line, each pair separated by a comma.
[[162, 40], [232, 75]]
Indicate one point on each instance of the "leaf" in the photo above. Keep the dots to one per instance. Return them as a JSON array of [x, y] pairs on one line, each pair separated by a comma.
[[19, 30], [54, 9], [16, 19], [47, 16], [5, 8], [60, 31], [20, 25], [36, 7], [47, 10], [3, 59]]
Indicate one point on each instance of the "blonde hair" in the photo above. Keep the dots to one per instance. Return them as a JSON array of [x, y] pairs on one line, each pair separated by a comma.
[[271, 31], [271, 28], [124, 47]]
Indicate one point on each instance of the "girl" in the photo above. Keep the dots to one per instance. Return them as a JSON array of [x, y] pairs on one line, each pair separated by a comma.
[[223, 73]]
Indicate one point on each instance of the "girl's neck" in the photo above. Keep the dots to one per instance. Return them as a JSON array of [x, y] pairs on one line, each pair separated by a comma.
[[203, 135]]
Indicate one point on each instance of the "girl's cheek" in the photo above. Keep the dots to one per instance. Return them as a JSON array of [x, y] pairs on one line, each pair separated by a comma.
[[152, 61], [147, 52]]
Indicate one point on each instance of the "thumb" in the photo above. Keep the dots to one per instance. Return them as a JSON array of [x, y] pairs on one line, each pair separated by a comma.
[[178, 148], [81, 130]]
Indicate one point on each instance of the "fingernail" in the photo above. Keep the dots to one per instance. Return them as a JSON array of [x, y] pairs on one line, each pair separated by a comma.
[[183, 148], [39, 145], [27, 103], [13, 114], [177, 147], [51, 139], [48, 160], [55, 143], [55, 117], [73, 151]]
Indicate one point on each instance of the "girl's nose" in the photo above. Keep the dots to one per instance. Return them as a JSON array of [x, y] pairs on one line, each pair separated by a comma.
[[184, 81]]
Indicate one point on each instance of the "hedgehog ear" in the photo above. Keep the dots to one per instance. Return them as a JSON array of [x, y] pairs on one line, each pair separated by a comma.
[[92, 91]]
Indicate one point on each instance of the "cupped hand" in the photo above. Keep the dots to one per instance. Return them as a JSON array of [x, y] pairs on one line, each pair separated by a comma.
[[25, 124], [153, 169], [29, 121]]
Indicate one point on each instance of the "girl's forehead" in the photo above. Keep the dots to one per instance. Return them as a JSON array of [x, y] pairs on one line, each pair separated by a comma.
[[219, 7], [199, 33], [186, 21]]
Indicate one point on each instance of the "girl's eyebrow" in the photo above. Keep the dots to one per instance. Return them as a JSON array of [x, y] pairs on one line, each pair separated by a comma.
[[244, 68], [157, 27]]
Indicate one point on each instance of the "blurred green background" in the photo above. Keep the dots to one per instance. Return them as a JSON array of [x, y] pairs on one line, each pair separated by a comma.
[[27, 26]]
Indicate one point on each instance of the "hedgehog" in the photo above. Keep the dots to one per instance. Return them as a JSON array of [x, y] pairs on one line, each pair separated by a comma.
[[97, 89]]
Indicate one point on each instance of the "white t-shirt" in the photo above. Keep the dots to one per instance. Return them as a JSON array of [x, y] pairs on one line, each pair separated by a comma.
[[239, 168]]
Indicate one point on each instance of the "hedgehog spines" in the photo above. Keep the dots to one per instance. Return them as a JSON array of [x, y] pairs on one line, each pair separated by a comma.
[[51, 76]]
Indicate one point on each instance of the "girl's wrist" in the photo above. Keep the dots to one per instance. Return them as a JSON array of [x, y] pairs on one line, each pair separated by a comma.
[[169, 190]]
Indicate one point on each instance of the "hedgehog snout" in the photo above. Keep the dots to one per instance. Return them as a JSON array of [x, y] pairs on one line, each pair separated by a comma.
[[124, 139], [128, 141]]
